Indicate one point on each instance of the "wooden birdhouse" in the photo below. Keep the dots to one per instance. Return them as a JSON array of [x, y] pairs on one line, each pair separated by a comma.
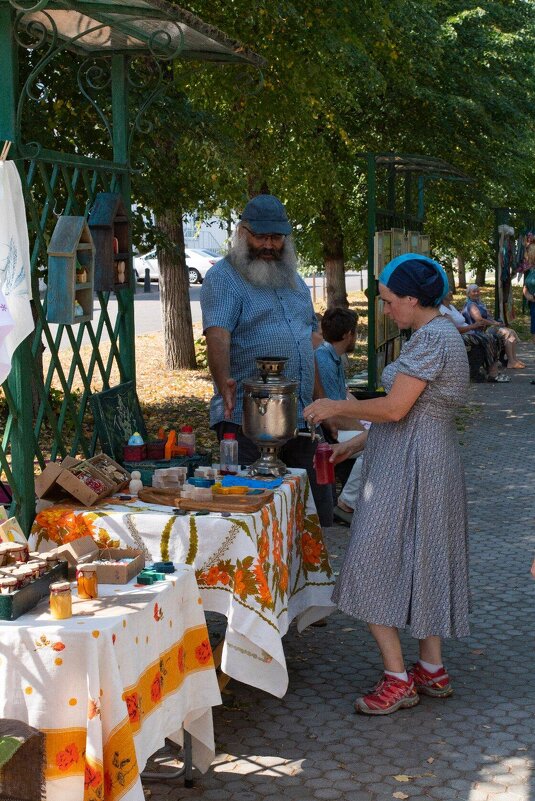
[[110, 229], [71, 265]]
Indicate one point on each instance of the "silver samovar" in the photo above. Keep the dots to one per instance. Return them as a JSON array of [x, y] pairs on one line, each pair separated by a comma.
[[269, 414]]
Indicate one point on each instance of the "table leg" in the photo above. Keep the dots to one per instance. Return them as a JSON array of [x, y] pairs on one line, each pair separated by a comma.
[[186, 770], [222, 678]]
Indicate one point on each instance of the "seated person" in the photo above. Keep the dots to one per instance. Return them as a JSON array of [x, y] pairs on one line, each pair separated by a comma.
[[474, 333], [474, 311], [338, 327]]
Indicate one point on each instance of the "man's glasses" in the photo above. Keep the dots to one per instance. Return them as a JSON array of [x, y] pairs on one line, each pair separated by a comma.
[[276, 239]]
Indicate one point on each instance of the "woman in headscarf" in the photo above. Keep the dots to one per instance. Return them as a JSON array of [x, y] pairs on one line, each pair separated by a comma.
[[406, 563], [474, 311]]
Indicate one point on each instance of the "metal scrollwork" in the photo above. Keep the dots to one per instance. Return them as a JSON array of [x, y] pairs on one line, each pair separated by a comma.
[[95, 73], [35, 33], [162, 43], [149, 79], [42, 4]]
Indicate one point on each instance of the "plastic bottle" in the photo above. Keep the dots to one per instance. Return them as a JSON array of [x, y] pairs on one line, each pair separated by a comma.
[[228, 455], [186, 439], [324, 468]]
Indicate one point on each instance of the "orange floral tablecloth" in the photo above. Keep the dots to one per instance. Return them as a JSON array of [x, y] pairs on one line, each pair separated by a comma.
[[260, 570], [108, 685]]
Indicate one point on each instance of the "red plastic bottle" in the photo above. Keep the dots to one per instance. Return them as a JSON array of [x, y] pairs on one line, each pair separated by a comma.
[[324, 468]]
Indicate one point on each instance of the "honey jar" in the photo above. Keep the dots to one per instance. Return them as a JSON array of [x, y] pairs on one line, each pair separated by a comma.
[[86, 577], [18, 552], [8, 584], [60, 600]]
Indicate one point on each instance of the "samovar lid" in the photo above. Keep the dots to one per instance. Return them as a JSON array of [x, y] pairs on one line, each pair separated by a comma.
[[271, 378]]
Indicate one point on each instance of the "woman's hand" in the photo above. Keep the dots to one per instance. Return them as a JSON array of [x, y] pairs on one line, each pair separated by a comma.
[[345, 450], [322, 409]]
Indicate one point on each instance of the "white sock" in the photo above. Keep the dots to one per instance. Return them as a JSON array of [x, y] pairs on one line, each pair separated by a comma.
[[430, 667], [401, 676]]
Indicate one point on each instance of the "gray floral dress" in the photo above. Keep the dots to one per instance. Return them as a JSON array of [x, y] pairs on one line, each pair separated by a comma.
[[407, 560]]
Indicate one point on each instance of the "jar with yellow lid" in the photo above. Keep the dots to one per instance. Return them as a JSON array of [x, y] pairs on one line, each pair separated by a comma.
[[60, 600], [86, 577]]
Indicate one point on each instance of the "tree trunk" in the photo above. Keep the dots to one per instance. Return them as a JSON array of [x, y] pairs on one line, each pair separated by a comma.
[[481, 276], [461, 269], [333, 257], [174, 294], [448, 267]]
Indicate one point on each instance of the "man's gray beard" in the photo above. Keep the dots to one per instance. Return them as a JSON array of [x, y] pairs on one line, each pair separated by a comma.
[[272, 274]]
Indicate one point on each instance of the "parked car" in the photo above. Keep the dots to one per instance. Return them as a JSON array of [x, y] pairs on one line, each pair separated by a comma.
[[198, 262], [149, 260]]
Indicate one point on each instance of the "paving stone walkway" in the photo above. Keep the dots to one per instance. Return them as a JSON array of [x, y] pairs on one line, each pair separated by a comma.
[[477, 745]]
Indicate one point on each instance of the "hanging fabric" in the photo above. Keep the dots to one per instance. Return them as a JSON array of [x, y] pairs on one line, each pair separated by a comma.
[[15, 282]]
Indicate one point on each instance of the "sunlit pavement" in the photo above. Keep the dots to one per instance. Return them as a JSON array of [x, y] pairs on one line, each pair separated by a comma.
[[477, 745]]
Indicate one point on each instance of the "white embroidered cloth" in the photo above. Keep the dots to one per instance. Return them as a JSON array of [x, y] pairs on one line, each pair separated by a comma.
[[15, 283], [260, 570], [109, 684]]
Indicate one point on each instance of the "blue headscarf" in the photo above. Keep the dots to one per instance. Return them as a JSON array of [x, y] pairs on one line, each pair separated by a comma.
[[418, 276]]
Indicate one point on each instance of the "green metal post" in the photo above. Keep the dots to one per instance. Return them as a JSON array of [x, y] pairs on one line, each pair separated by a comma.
[[391, 191], [22, 450], [421, 200], [370, 191], [408, 195], [119, 67]]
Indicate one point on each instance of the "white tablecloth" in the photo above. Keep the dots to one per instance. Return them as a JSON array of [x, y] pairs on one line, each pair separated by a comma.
[[109, 684], [260, 570]]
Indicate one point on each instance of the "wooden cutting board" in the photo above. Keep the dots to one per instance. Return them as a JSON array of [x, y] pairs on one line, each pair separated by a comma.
[[219, 503]]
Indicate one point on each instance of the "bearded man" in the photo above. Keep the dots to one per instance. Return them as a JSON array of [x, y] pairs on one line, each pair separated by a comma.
[[255, 303]]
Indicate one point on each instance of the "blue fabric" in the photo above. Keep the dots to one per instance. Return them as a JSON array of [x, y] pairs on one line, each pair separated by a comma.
[[265, 214], [418, 276], [331, 371], [274, 322], [254, 483], [466, 311]]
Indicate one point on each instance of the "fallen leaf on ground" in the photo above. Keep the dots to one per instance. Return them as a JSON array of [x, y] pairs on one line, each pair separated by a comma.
[[399, 794], [348, 629], [431, 760], [402, 777], [478, 651]]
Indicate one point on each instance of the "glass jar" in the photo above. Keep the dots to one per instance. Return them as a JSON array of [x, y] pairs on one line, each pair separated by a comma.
[[324, 468], [60, 600], [8, 584], [38, 567], [51, 559], [18, 552], [86, 577]]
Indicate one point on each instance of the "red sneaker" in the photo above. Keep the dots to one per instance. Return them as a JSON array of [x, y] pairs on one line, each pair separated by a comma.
[[388, 696], [436, 684]]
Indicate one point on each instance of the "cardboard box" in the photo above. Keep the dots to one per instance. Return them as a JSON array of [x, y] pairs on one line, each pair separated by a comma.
[[103, 477], [93, 479], [45, 484], [10, 531], [85, 550]]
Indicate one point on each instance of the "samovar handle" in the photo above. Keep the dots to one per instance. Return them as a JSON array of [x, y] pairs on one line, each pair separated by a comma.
[[261, 400]]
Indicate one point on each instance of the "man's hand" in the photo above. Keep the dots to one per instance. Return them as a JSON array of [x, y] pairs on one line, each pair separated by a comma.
[[228, 393]]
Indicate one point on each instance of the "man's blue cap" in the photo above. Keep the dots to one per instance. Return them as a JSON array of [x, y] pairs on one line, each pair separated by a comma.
[[265, 214]]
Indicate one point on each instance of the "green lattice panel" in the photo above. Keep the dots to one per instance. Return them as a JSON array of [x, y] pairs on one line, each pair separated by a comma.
[[68, 362]]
